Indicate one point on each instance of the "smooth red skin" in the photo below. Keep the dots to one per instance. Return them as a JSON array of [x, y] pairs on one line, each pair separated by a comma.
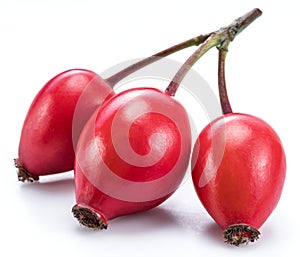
[[46, 143], [95, 143], [105, 206], [247, 184]]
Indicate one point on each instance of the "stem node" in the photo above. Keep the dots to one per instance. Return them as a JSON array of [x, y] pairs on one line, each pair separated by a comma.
[[220, 38]]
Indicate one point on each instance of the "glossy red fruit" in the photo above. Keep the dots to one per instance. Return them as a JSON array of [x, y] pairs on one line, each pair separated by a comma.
[[131, 156], [238, 170], [46, 143]]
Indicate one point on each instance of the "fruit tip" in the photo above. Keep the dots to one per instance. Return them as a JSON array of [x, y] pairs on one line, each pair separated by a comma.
[[89, 218], [238, 234], [258, 10], [23, 174]]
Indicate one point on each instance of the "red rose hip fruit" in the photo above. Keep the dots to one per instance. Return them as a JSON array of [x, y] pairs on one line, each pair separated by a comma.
[[131, 156], [238, 168], [238, 172], [47, 138]]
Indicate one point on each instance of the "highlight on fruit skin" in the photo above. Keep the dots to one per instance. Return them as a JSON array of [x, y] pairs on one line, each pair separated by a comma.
[[240, 234]]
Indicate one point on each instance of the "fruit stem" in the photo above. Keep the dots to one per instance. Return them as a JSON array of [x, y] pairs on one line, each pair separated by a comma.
[[224, 100], [195, 41], [215, 39]]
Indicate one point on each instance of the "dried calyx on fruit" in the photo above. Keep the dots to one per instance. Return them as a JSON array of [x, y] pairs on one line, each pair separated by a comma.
[[240, 234]]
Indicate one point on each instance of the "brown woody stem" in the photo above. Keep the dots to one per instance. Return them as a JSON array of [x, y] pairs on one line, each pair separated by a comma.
[[195, 41], [224, 100]]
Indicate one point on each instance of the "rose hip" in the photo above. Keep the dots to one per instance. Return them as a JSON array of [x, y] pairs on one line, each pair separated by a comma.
[[238, 168], [46, 143], [131, 156], [238, 172]]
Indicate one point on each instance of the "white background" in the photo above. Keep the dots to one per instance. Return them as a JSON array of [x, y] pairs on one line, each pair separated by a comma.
[[39, 39]]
